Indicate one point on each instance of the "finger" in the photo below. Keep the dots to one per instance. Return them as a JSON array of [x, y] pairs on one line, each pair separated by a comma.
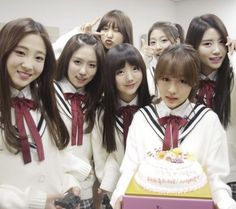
[[55, 197], [98, 33], [143, 42], [95, 22]]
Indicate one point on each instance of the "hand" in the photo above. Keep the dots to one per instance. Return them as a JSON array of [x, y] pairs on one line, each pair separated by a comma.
[[101, 191], [88, 27], [231, 44], [145, 49], [50, 201], [118, 203]]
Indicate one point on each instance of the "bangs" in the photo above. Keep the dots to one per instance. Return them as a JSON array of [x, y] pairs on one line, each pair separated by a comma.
[[178, 66], [109, 21]]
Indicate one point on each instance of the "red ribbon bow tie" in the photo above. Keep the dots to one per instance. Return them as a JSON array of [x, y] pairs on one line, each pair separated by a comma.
[[22, 107], [206, 92], [174, 123], [127, 113], [77, 117]]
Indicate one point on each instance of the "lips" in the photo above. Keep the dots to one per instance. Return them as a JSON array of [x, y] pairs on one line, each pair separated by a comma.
[[109, 42], [215, 60], [23, 75]]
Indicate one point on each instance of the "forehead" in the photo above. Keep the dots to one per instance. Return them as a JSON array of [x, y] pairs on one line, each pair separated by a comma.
[[210, 34], [86, 52], [33, 42], [157, 33]]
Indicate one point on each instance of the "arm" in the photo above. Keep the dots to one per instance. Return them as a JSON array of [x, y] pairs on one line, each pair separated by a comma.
[[130, 162], [218, 168], [62, 40]]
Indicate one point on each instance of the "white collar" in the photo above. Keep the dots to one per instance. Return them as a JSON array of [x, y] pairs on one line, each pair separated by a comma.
[[67, 87], [183, 110], [25, 92], [133, 102]]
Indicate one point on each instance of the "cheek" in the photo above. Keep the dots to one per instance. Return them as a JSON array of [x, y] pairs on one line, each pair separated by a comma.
[[39, 68]]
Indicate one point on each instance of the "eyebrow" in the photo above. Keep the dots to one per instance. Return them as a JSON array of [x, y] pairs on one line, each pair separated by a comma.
[[23, 47]]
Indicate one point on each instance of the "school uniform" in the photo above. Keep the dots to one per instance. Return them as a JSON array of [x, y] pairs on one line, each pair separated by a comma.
[[27, 183], [203, 136], [110, 174], [231, 132], [84, 150]]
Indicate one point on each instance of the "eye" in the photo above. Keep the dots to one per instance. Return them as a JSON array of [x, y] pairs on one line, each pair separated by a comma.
[[19, 52], [119, 72], [136, 68], [164, 40], [91, 65], [183, 81], [40, 58], [77, 62], [105, 28], [152, 43], [116, 29], [207, 43], [166, 79]]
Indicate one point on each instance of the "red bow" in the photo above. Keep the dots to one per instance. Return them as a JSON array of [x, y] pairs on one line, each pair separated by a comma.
[[77, 116], [22, 107], [174, 123], [127, 112], [206, 92]]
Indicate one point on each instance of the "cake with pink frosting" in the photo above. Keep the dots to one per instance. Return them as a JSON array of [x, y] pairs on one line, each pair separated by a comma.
[[171, 171]]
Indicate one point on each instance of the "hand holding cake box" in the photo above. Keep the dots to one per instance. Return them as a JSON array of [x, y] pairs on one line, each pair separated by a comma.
[[176, 121]]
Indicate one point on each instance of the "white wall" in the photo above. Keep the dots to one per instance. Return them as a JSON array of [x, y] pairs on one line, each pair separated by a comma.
[[66, 14], [225, 9]]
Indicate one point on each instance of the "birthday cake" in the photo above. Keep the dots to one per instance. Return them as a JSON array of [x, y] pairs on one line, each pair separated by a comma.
[[171, 171]]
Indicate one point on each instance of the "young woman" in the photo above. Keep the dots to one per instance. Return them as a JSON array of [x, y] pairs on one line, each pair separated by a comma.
[[160, 36], [200, 132], [125, 90], [78, 88], [114, 28], [208, 35], [34, 173]]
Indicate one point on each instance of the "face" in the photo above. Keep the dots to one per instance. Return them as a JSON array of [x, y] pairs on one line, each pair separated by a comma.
[[158, 42], [128, 80], [82, 66], [111, 36], [25, 63], [212, 51], [173, 91]]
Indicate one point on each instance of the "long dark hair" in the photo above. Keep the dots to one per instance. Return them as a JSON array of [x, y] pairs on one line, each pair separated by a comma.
[[42, 89], [93, 88], [115, 60], [224, 81]]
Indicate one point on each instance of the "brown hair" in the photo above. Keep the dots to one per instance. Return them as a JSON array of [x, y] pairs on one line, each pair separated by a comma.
[[180, 60], [42, 89]]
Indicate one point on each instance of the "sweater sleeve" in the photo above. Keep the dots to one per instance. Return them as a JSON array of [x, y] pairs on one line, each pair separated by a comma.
[[218, 168], [62, 40], [99, 152], [75, 166], [11, 197], [130, 162], [111, 174]]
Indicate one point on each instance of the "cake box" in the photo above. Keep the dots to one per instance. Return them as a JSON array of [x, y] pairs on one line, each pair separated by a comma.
[[138, 198]]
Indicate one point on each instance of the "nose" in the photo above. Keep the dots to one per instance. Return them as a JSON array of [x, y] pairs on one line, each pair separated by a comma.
[[172, 87], [216, 48], [158, 45], [27, 64], [109, 33], [129, 76], [83, 69]]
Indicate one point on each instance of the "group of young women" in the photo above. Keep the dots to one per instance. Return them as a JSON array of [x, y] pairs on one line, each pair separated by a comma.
[[99, 108]]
